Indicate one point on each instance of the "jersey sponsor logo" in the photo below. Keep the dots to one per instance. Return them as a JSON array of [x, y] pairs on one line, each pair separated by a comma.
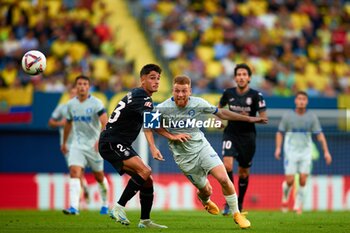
[[151, 120], [148, 104], [191, 123], [147, 98], [82, 118], [249, 101], [235, 108], [231, 99]]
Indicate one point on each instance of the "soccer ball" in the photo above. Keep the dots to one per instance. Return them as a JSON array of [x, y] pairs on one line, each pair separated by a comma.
[[33, 62]]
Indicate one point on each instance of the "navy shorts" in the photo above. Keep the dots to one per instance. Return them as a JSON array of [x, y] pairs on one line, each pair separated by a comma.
[[115, 153], [241, 147]]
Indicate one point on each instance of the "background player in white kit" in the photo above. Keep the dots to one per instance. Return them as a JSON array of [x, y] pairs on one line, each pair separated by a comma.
[[196, 158], [57, 120], [86, 116], [298, 127]]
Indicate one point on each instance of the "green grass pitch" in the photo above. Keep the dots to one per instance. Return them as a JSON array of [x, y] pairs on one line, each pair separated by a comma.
[[177, 221]]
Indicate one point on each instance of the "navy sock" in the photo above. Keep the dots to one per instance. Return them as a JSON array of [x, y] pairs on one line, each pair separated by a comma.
[[134, 185], [146, 200], [230, 175], [243, 185]]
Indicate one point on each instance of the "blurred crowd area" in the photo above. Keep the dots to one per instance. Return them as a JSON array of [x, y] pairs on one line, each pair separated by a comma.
[[75, 37], [290, 45]]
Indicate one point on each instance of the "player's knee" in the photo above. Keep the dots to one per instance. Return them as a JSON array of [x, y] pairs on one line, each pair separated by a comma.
[[74, 172], [290, 182], [243, 173], [145, 173], [302, 182], [99, 176], [228, 166]]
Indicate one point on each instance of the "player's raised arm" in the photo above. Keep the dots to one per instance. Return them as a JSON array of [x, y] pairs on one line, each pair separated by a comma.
[[232, 116]]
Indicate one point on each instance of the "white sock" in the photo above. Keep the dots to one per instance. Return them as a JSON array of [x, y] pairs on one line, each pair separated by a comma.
[[104, 187], [84, 184], [285, 192], [299, 200], [232, 202], [74, 192]]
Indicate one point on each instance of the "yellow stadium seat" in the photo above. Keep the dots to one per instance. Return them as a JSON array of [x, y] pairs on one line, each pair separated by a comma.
[[54, 7], [180, 36], [50, 65], [213, 69], [64, 98], [101, 96], [212, 98], [344, 103], [100, 69], [159, 97], [77, 51], [206, 53]]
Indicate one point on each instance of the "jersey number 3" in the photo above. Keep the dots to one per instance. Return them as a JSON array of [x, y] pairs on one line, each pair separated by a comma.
[[116, 112]]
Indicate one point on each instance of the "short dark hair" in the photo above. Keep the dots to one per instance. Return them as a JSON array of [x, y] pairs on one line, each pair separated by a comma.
[[81, 77], [301, 93], [182, 80], [149, 68], [243, 66]]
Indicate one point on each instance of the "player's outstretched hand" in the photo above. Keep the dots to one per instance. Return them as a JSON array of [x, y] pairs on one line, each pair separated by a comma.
[[260, 120], [156, 154], [182, 137]]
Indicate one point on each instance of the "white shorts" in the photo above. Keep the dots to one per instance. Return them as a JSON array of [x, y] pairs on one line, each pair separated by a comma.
[[297, 166], [198, 169], [83, 158]]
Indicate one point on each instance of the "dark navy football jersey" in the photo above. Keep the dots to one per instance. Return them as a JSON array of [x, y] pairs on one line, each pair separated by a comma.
[[125, 122], [249, 103]]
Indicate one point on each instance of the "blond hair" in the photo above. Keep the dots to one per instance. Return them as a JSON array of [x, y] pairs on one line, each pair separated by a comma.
[[182, 80]]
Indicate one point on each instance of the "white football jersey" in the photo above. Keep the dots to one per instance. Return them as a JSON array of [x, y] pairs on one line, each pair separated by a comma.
[[86, 123]]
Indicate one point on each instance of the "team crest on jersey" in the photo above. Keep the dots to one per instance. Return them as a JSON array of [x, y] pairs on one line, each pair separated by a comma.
[[191, 112], [89, 110], [249, 101]]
